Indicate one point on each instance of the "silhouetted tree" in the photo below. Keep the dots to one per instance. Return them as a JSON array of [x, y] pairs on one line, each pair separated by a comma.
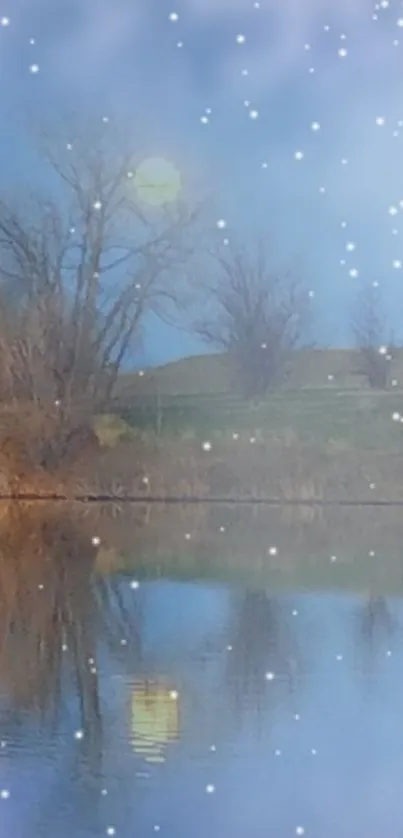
[[80, 269], [256, 314], [370, 335]]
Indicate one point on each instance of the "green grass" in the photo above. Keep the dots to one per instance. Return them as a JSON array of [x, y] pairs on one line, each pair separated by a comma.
[[192, 397], [358, 420]]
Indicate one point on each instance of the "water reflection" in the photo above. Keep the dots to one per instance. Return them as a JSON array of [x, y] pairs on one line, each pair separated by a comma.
[[47, 616], [155, 719], [195, 692], [263, 649], [377, 628], [54, 612]]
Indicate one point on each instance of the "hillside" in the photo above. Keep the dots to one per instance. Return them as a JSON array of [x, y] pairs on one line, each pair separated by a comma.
[[209, 374]]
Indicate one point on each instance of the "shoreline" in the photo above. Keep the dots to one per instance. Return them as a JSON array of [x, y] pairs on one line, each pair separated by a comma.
[[191, 500]]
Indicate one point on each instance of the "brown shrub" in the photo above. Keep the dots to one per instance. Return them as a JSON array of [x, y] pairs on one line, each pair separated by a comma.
[[42, 445]]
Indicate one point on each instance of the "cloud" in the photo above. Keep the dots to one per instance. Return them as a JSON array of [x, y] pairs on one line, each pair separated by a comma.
[[97, 33], [291, 11], [277, 31]]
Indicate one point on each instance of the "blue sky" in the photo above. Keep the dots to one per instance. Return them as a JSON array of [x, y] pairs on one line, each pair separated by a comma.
[[270, 73]]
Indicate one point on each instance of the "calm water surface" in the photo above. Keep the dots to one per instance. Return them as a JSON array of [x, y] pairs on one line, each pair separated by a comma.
[[137, 699]]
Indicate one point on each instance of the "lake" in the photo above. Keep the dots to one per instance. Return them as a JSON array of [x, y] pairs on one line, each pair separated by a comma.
[[201, 671]]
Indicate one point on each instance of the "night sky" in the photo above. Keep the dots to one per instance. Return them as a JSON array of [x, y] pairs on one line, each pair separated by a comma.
[[288, 114]]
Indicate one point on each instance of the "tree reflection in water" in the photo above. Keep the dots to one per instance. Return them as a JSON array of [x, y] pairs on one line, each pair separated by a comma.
[[376, 626], [53, 611], [262, 646]]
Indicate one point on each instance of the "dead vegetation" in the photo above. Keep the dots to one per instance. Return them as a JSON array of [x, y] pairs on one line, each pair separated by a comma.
[[233, 469]]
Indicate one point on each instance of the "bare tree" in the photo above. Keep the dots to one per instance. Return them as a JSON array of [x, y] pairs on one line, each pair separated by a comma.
[[254, 313], [370, 335], [80, 269], [78, 274]]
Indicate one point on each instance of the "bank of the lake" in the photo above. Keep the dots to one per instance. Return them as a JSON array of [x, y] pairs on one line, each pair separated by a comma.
[[240, 466]]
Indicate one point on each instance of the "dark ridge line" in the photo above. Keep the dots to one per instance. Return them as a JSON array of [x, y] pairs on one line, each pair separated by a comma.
[[192, 500]]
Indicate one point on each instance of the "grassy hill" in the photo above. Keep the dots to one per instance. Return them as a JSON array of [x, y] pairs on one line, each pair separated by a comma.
[[323, 401], [210, 375]]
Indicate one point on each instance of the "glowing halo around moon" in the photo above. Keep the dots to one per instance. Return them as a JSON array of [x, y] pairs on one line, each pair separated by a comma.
[[157, 182]]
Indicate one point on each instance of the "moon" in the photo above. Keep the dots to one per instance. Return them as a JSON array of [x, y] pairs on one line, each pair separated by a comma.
[[157, 181]]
